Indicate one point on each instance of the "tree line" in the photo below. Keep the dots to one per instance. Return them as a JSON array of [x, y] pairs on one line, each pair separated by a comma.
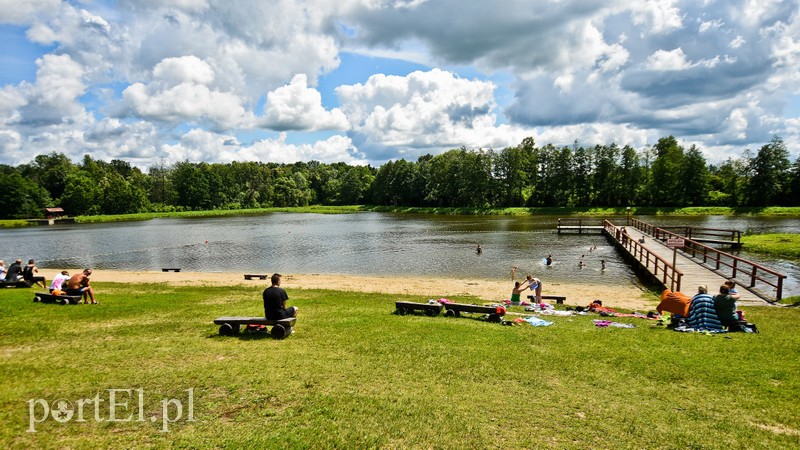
[[664, 174]]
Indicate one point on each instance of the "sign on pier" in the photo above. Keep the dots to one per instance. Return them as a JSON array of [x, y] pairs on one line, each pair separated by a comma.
[[676, 242]]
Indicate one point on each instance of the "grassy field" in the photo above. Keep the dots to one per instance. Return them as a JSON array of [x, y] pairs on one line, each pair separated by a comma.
[[782, 245], [355, 375]]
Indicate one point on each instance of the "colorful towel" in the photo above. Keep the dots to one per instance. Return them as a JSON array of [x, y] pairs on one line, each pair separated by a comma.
[[702, 315], [608, 323]]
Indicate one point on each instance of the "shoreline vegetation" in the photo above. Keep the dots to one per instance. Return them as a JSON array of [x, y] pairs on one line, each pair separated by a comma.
[[782, 245], [772, 211]]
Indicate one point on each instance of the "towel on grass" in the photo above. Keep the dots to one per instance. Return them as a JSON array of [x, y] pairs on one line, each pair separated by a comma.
[[537, 322]]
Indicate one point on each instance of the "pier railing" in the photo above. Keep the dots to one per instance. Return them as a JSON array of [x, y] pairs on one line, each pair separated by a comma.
[[579, 225], [660, 268], [724, 263], [714, 235]]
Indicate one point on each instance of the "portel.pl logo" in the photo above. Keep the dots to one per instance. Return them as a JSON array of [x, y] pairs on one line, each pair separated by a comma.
[[118, 405]]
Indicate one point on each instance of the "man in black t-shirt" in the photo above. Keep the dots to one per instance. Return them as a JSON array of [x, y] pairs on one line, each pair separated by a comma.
[[14, 272], [275, 301], [28, 274]]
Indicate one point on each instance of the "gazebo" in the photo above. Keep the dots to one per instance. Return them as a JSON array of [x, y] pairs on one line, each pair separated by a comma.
[[54, 213]]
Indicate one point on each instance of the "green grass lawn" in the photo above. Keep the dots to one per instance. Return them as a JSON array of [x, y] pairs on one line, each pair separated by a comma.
[[784, 245], [355, 375]]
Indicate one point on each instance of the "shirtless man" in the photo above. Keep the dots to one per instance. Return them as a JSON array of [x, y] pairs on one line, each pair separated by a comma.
[[79, 284]]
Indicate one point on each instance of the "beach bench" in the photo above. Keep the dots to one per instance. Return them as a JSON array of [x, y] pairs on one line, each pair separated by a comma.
[[559, 299], [493, 313], [46, 297], [250, 276], [15, 284], [170, 269], [431, 309], [229, 326]]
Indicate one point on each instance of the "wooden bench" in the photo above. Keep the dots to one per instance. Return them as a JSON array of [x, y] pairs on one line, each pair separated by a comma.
[[250, 276], [431, 309], [15, 284], [46, 297], [170, 269], [229, 326], [559, 299], [494, 313]]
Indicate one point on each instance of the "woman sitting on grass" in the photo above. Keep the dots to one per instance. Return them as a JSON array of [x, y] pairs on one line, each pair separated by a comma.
[[702, 315]]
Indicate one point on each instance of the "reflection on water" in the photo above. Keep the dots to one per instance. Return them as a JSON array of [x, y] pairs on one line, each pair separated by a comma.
[[364, 243]]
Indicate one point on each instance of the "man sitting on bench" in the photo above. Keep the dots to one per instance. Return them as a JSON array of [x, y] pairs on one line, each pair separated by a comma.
[[275, 301], [79, 284], [28, 274]]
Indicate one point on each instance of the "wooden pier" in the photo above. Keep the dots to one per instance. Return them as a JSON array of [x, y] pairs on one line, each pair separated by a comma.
[[580, 226], [687, 263]]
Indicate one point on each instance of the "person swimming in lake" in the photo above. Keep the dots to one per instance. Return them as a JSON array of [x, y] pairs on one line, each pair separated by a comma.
[[478, 250]]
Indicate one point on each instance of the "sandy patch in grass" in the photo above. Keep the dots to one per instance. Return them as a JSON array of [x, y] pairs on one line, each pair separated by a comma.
[[622, 296]]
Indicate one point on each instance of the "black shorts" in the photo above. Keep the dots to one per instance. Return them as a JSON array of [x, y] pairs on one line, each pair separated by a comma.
[[284, 314]]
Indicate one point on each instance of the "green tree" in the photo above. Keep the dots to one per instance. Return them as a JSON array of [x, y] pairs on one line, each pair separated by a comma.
[[606, 179], [50, 172], [631, 177], [119, 196], [562, 178], [512, 170], [22, 198], [794, 184], [81, 195], [355, 185], [542, 179], [582, 176], [770, 174], [694, 178], [665, 184], [191, 186]]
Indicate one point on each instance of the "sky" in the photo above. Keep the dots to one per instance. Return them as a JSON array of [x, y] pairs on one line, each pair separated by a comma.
[[369, 81]]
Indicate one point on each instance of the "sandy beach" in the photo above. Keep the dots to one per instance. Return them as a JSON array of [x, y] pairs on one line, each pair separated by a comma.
[[617, 296]]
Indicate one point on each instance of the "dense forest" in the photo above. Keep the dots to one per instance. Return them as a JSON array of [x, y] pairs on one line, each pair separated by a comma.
[[665, 174]]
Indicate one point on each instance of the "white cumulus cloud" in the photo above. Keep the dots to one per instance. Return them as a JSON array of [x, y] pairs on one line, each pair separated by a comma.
[[180, 92], [297, 106]]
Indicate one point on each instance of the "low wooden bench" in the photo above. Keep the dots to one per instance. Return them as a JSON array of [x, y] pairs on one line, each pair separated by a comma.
[[46, 297], [170, 269], [229, 326], [494, 313], [559, 299], [250, 276], [431, 309], [15, 284]]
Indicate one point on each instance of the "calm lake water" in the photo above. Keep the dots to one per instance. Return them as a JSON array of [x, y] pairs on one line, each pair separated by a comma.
[[363, 243]]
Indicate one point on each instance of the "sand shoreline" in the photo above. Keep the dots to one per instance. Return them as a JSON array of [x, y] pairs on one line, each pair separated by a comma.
[[617, 296]]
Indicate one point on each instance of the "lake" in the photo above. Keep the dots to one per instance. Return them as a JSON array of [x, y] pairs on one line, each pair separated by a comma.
[[363, 243]]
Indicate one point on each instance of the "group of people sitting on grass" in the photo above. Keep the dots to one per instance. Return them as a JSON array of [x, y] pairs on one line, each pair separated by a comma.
[[62, 283], [704, 312], [17, 272]]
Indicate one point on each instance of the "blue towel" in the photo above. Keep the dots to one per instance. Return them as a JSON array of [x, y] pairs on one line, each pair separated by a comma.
[[537, 322]]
